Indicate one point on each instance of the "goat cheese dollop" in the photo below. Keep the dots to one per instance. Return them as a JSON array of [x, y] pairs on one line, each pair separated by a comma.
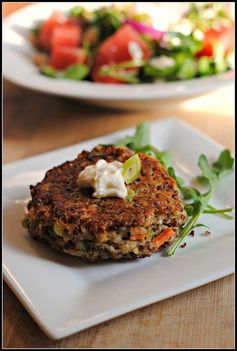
[[105, 178]]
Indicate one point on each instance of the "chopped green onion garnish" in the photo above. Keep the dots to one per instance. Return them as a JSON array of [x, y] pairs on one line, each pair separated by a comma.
[[131, 169]]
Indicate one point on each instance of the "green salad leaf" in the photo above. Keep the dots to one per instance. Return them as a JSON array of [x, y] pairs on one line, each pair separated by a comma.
[[49, 72], [77, 72], [205, 66], [77, 11]]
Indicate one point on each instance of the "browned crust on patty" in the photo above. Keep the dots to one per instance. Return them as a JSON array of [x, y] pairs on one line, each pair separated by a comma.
[[58, 199]]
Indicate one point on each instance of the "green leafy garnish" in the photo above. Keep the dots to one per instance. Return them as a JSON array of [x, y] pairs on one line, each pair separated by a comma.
[[200, 201], [224, 164], [140, 142], [219, 212], [139, 139]]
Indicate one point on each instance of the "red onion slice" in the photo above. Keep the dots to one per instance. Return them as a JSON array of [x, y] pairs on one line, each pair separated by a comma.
[[143, 28]]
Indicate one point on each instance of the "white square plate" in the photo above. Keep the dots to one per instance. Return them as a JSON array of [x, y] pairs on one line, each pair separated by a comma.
[[65, 295]]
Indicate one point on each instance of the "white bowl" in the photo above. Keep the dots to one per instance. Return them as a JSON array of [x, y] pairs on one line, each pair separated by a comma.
[[19, 68]]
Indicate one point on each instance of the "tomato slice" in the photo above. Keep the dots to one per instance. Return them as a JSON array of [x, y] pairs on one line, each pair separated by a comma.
[[66, 35], [62, 57], [223, 35], [47, 28], [115, 50]]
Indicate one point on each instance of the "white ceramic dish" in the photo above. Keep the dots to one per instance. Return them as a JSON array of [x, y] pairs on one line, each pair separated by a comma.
[[19, 68], [65, 295]]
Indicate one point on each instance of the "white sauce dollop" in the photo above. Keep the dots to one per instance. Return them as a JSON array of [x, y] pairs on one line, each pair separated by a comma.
[[105, 178]]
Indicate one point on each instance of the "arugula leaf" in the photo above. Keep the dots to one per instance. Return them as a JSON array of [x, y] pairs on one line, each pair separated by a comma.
[[219, 212], [186, 229], [211, 175], [140, 142], [207, 172], [139, 139], [162, 156], [179, 180], [202, 180], [142, 135], [224, 164]]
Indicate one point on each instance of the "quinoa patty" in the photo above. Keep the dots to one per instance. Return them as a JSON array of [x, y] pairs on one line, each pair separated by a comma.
[[70, 220]]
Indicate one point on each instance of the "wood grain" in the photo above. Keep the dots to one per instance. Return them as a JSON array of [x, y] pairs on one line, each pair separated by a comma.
[[36, 123]]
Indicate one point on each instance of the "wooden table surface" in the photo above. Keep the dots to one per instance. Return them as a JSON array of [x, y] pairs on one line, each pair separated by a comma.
[[200, 318]]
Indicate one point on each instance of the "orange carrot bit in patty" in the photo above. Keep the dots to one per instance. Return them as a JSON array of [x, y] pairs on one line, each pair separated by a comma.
[[164, 236], [101, 237], [138, 233], [137, 237]]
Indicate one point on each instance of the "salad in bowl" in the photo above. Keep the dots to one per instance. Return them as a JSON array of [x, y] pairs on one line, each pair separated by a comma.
[[121, 44]]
